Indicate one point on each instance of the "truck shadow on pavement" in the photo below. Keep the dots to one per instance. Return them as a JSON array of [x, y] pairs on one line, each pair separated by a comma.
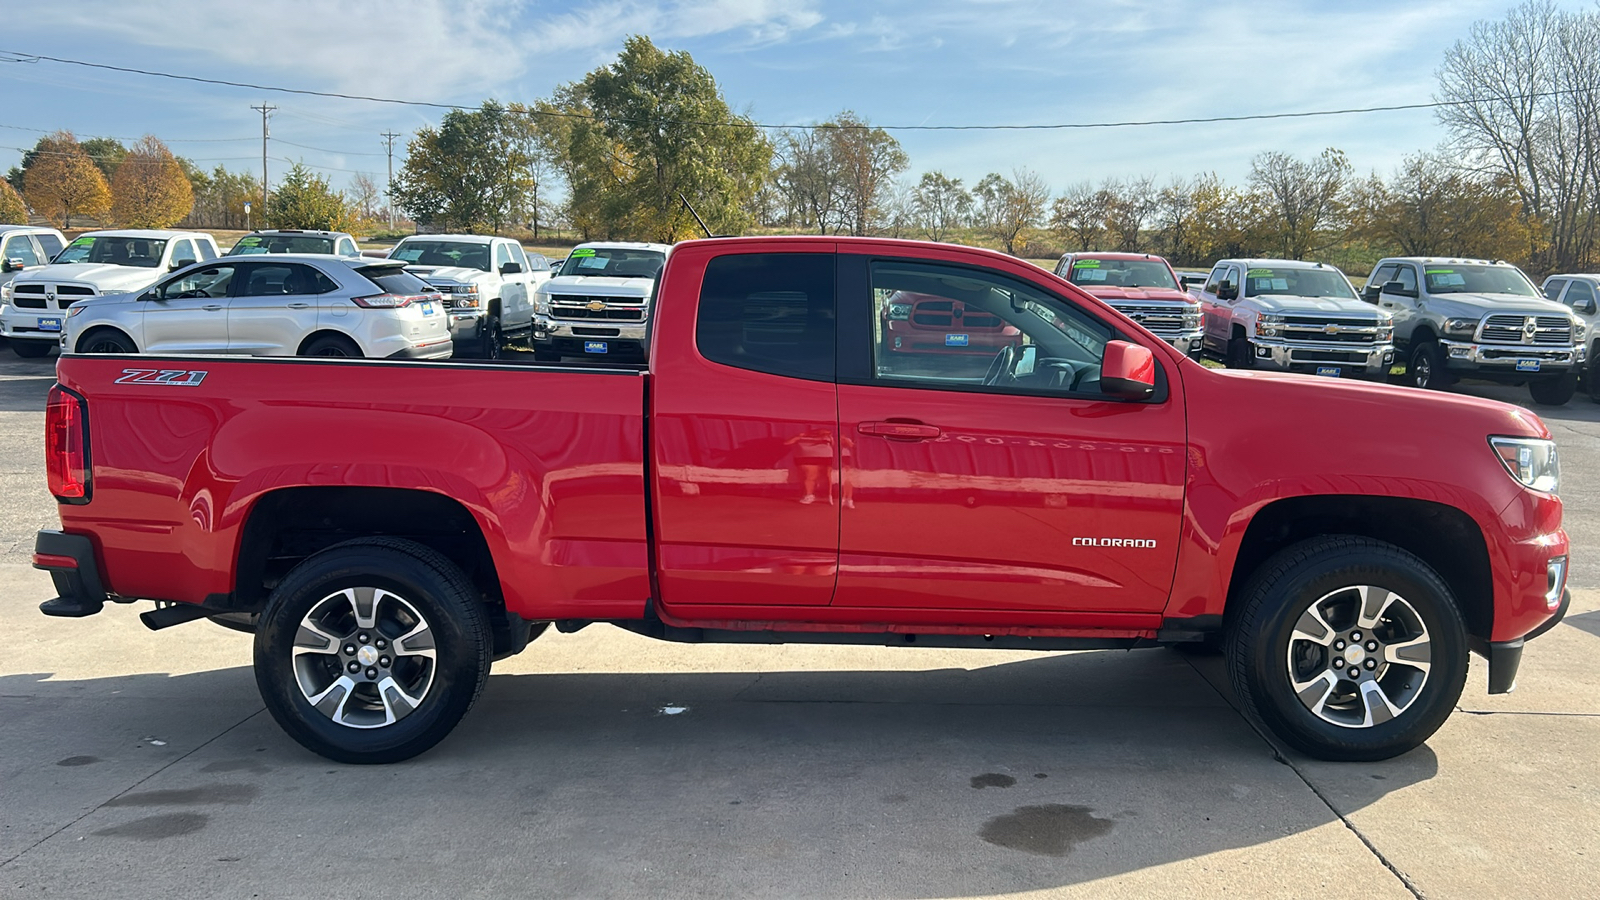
[[1024, 775]]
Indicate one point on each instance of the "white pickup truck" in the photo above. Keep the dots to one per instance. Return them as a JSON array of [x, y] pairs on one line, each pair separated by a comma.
[[487, 283], [599, 303], [34, 307]]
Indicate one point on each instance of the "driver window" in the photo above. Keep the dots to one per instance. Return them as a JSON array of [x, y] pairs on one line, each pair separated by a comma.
[[207, 283], [21, 248], [1578, 293], [502, 255], [965, 329], [1407, 276], [1217, 275]]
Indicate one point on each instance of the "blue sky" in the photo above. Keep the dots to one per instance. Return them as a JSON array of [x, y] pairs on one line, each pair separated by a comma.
[[901, 62]]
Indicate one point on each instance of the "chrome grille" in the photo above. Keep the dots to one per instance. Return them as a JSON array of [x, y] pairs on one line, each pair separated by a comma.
[[952, 314], [1329, 330], [1512, 329], [1165, 321], [617, 309]]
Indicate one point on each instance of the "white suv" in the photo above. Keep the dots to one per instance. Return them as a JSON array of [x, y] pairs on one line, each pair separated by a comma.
[[101, 262], [282, 305]]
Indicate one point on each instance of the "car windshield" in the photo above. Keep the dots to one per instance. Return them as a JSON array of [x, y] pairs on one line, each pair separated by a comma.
[[617, 262], [1459, 279], [1297, 283], [115, 251], [454, 254], [1140, 273], [252, 244]]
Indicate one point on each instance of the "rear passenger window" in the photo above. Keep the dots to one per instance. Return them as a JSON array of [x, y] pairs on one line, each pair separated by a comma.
[[769, 312], [51, 245]]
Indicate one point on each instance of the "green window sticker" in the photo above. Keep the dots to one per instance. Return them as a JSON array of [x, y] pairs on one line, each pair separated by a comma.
[[1258, 273], [1086, 264], [1441, 271], [82, 242], [583, 251]]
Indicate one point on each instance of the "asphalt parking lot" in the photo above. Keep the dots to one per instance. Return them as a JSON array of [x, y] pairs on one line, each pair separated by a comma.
[[600, 764]]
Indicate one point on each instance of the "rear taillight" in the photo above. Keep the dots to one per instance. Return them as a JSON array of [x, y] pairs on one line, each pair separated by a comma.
[[382, 301], [66, 446]]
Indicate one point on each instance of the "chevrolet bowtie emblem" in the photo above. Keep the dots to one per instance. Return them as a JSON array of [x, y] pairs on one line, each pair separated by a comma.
[[597, 305], [1330, 329]]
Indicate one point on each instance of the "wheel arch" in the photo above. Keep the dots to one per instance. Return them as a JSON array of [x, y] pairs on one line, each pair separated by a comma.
[[1443, 536], [327, 332], [96, 329]]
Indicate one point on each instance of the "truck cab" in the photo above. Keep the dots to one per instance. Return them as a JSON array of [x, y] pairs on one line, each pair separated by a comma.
[[100, 262], [598, 305], [1293, 316], [1142, 287], [1482, 319], [487, 283]]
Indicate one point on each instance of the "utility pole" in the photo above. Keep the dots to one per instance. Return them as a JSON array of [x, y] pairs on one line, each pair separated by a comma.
[[264, 109], [388, 189]]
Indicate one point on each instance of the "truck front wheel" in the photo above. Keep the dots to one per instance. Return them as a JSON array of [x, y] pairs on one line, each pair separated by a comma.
[[1427, 369], [1347, 648], [372, 650]]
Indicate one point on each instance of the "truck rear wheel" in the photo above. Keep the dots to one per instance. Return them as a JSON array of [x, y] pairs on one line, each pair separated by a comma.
[[1347, 648], [1555, 391], [372, 650]]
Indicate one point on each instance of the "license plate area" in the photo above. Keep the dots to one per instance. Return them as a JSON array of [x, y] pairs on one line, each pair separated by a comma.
[[596, 347], [957, 340], [1527, 365], [1331, 371], [50, 324]]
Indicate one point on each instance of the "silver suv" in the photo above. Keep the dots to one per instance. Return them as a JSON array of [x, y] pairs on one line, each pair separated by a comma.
[[295, 240], [1483, 319], [1581, 293], [1293, 316], [282, 305]]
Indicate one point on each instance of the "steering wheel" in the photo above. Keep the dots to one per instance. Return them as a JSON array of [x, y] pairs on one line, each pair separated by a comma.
[[1003, 363], [192, 294]]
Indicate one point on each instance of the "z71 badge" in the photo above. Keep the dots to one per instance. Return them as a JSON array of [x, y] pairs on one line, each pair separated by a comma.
[[178, 377]]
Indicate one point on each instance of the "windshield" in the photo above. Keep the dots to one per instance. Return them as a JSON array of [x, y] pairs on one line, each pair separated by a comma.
[[455, 254], [252, 244], [1458, 279], [1138, 273], [617, 262], [1298, 283], [115, 251]]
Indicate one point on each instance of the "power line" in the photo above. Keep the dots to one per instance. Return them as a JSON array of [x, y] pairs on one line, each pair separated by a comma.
[[19, 57], [326, 150], [131, 140]]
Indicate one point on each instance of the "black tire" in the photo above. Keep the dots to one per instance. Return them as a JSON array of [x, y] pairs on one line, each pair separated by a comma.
[[422, 579], [1240, 353], [490, 337], [1426, 368], [106, 340], [31, 349], [1555, 391], [540, 354], [1322, 571], [332, 345]]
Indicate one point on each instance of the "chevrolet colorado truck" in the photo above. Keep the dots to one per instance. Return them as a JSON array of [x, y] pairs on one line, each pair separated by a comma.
[[387, 529], [1142, 287], [100, 262], [598, 305], [487, 283], [1481, 319], [1294, 316]]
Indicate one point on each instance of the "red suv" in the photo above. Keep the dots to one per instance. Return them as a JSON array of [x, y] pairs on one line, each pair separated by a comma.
[[927, 323]]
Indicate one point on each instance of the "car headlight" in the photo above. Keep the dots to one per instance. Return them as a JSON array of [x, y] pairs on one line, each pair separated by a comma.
[[5, 292], [74, 309], [1190, 322], [1267, 326], [1531, 461], [1580, 331], [541, 303], [899, 310], [1461, 327], [1385, 333]]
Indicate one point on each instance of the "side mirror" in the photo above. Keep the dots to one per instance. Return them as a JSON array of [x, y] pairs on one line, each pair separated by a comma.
[[1399, 289], [12, 265], [149, 296], [510, 268], [1128, 371], [1587, 307], [1226, 291], [180, 263]]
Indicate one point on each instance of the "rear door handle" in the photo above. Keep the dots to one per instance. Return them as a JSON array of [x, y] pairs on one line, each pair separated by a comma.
[[299, 305], [900, 431]]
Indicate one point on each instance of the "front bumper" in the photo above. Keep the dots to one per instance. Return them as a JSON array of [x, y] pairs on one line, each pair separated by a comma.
[[1309, 356], [571, 338], [1506, 358], [901, 336], [1188, 343], [18, 325]]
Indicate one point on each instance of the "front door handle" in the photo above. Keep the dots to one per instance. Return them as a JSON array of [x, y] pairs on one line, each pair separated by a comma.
[[212, 307], [299, 305], [900, 431]]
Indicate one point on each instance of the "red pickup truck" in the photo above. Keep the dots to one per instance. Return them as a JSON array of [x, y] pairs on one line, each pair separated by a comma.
[[387, 529]]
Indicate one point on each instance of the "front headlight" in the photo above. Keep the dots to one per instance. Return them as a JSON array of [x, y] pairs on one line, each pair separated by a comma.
[[541, 303], [74, 309], [899, 310], [1531, 461], [1579, 332], [1385, 333], [1267, 326], [1460, 327], [5, 292], [1191, 322]]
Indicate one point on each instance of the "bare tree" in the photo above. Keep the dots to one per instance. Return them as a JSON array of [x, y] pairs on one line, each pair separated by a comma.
[[941, 204], [1008, 208], [1303, 196], [867, 160], [1129, 206], [364, 194], [1175, 222], [1079, 214], [809, 179]]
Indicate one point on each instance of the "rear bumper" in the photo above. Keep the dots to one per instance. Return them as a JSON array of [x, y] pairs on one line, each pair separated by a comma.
[[69, 558], [436, 350]]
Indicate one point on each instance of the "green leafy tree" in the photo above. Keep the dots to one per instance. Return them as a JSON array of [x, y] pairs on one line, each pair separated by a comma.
[[303, 199], [12, 210], [661, 130], [107, 153], [470, 173]]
